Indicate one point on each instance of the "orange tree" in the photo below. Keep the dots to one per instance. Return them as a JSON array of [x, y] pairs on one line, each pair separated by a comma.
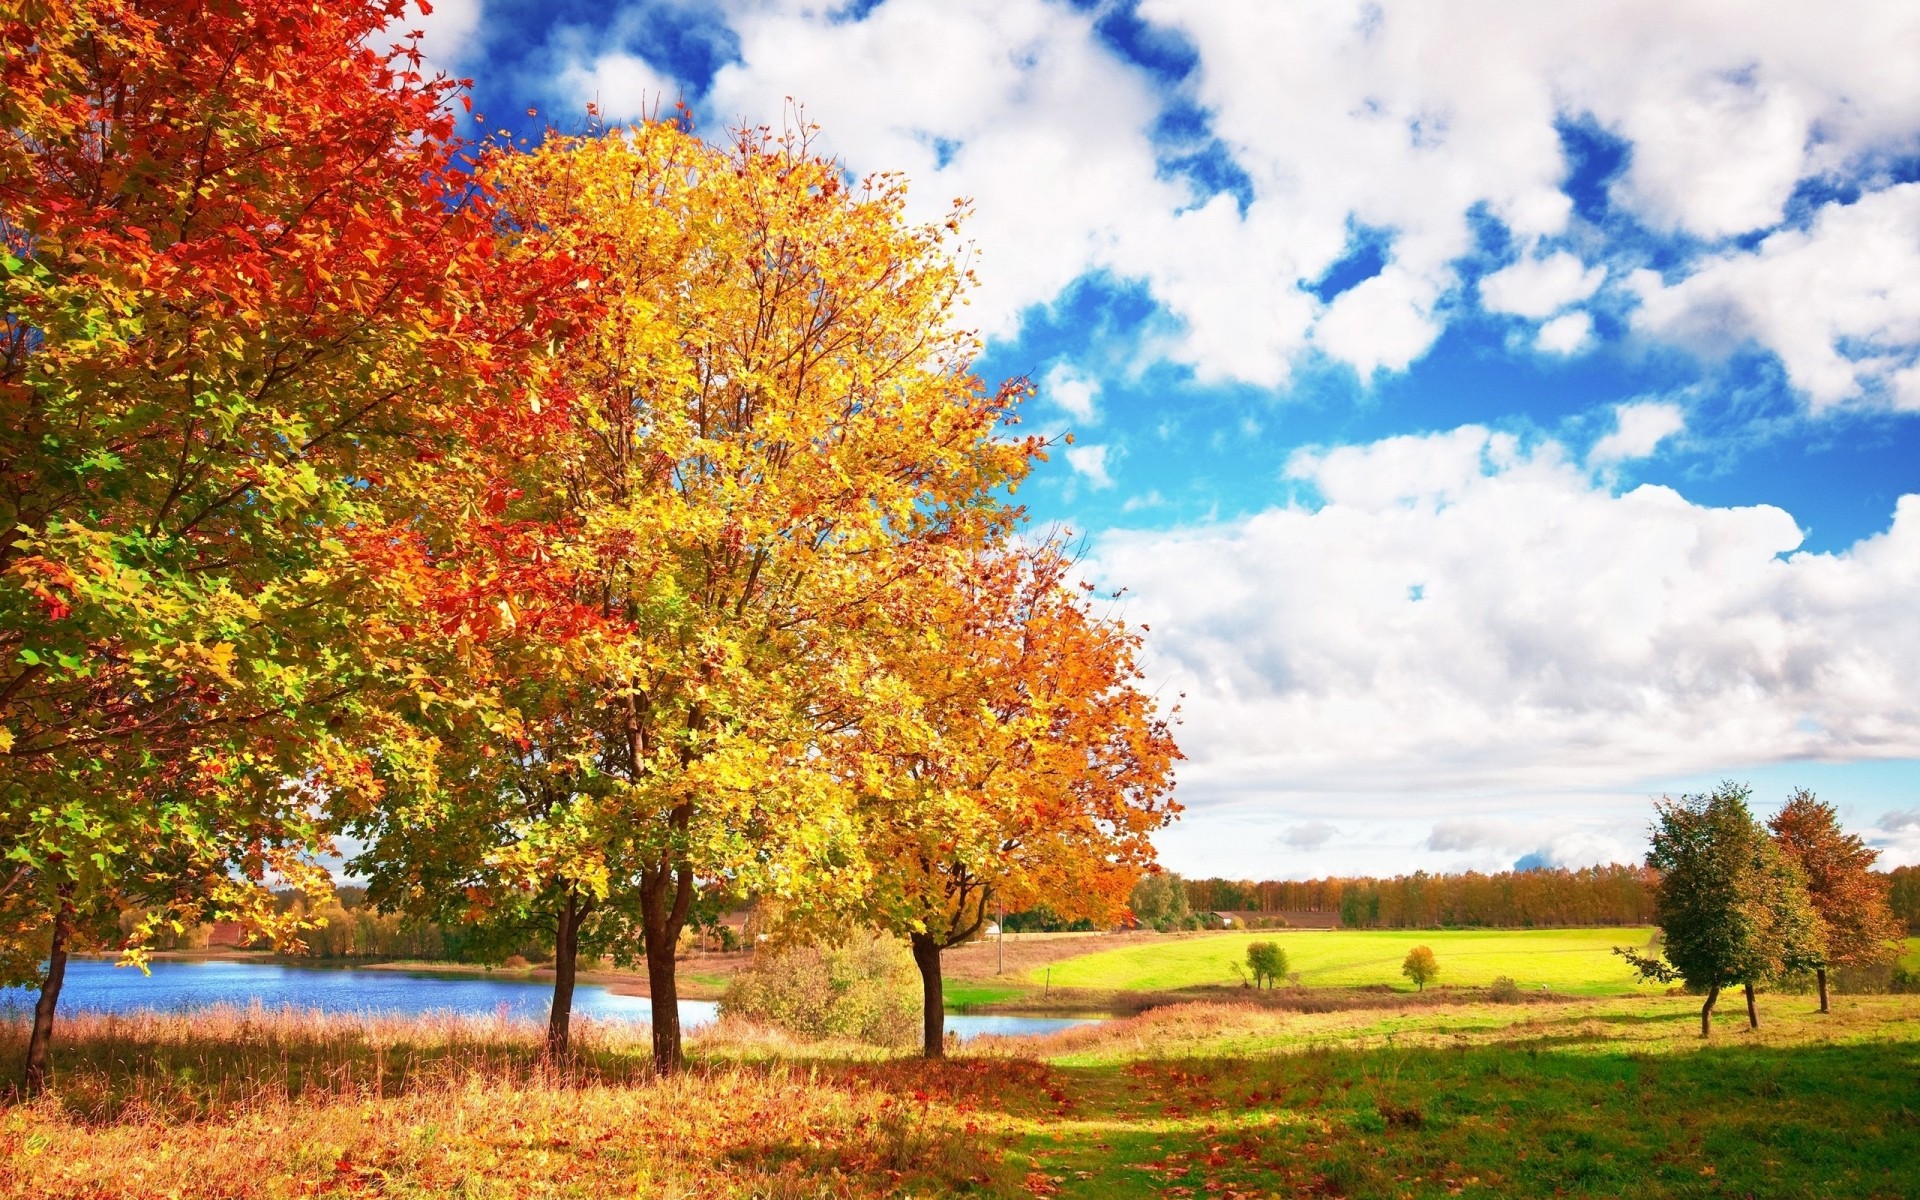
[[652, 610], [1020, 763], [236, 249], [1848, 896]]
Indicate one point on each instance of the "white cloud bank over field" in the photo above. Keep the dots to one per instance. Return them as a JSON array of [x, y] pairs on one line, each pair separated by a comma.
[[1465, 616]]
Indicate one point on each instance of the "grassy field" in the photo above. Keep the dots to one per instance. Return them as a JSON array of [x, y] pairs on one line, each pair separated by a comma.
[[1584, 1098], [1576, 962]]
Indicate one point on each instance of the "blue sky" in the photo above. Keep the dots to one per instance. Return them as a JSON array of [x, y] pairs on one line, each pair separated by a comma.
[[1500, 413]]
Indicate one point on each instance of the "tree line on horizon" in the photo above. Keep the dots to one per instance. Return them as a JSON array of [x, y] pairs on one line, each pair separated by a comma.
[[581, 525], [1613, 894]]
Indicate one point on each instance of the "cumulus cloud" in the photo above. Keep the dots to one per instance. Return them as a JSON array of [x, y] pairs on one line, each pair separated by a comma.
[[1638, 429], [1461, 612], [1090, 463], [1538, 288], [1839, 302], [1345, 116], [1467, 835], [450, 34], [1566, 334], [1309, 836], [1076, 394]]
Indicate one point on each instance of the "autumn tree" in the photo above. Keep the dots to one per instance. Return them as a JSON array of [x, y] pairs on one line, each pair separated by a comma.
[[1420, 966], [1027, 764], [236, 246], [648, 600], [1850, 899], [1730, 906]]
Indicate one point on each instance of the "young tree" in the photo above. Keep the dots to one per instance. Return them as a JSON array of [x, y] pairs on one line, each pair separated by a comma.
[[1267, 961], [1159, 900], [1420, 966], [233, 246], [1851, 899], [651, 596], [1731, 908], [1020, 764]]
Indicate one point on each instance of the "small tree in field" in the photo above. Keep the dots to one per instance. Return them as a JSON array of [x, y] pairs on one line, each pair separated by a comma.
[[1420, 966], [1731, 907], [1849, 898], [1267, 961]]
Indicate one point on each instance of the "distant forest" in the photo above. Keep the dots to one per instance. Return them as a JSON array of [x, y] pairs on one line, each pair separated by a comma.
[[1609, 895]]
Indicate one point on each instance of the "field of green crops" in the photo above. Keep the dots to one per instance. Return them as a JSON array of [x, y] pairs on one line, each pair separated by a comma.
[[1569, 961]]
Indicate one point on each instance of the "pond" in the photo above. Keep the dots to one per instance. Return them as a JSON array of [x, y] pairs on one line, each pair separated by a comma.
[[176, 986]]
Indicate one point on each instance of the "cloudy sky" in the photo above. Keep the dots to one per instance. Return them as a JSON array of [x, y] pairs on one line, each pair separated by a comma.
[[1501, 412]]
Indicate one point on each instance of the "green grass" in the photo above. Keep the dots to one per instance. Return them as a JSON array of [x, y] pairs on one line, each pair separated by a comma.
[[962, 996], [1911, 960], [1570, 961], [1592, 1098]]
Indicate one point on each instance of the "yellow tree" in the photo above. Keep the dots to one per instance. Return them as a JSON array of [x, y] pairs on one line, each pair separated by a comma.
[[1025, 766], [762, 431]]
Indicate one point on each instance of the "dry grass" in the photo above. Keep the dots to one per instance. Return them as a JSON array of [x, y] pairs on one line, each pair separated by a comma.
[[239, 1103]]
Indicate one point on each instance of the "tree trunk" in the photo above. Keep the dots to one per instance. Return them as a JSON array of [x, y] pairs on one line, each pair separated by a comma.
[[1820, 973], [1753, 1012], [664, 900], [933, 1011], [1706, 1011], [40, 1041], [566, 966]]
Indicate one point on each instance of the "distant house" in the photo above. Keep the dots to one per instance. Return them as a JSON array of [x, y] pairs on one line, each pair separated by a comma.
[[1219, 920], [227, 935]]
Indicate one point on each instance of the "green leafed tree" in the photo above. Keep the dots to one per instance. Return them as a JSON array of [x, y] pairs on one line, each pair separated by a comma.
[[1732, 909], [1267, 961]]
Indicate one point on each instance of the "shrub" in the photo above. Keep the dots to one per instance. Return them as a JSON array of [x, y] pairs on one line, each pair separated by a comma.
[[1503, 990], [516, 962], [866, 988]]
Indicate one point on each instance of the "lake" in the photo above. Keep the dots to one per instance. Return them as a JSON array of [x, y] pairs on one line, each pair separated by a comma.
[[176, 986]]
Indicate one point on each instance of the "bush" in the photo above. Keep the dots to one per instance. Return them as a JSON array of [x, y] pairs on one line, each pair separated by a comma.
[[1503, 990], [866, 989]]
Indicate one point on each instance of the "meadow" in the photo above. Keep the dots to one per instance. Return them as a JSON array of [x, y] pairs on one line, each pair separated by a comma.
[[1541, 1098], [1568, 961]]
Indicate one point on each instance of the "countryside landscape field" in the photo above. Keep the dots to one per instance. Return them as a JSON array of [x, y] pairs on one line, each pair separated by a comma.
[[786, 599]]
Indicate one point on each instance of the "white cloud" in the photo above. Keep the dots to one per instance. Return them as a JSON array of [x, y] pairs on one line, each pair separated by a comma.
[[1341, 115], [1638, 429], [1308, 836], [1839, 302], [617, 83], [1090, 463], [1466, 616], [1565, 334], [448, 33], [1539, 287], [1074, 393]]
